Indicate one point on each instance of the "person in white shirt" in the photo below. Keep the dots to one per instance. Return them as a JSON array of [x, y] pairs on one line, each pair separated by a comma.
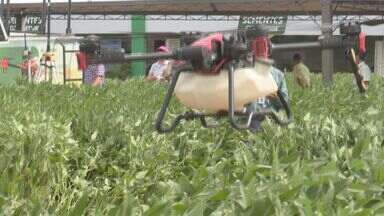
[[159, 68], [364, 70]]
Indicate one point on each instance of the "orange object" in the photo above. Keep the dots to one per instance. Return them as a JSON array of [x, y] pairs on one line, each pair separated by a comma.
[[81, 61], [4, 63], [208, 42], [34, 66], [260, 47], [362, 47]]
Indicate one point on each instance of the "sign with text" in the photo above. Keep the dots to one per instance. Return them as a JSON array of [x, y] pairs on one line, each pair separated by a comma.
[[273, 24], [32, 24]]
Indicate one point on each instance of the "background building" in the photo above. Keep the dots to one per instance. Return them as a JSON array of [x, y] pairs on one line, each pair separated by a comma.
[[154, 33], [167, 32]]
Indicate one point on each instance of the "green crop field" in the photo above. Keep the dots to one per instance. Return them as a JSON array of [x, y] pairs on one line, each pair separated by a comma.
[[82, 151]]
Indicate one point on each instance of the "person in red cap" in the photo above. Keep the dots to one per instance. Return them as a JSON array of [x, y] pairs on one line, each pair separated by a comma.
[[158, 69]]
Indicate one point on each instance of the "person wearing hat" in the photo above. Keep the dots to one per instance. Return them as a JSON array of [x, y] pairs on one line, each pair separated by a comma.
[[300, 71], [364, 70], [159, 69]]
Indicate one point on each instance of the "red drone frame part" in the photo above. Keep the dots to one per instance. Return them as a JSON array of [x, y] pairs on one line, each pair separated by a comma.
[[260, 47], [362, 47], [214, 45]]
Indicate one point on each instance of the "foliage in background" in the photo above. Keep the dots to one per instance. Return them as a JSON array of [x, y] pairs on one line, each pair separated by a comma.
[[72, 151], [120, 72]]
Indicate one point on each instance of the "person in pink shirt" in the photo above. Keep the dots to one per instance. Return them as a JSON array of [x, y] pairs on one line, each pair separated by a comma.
[[4, 64]]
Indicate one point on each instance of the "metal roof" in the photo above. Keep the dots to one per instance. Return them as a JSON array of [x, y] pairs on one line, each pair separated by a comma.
[[219, 7]]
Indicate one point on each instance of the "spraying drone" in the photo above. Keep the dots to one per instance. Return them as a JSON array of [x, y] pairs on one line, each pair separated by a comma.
[[209, 73]]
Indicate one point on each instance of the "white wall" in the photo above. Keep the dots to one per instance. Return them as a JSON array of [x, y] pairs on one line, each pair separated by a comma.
[[92, 26], [124, 26], [379, 57]]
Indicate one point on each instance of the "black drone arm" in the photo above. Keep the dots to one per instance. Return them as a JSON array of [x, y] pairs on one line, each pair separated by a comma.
[[355, 69]]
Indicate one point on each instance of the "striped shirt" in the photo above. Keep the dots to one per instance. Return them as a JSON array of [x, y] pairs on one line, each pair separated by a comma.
[[92, 72]]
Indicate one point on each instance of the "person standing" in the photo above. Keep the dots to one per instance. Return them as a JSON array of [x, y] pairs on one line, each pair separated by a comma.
[[270, 102], [30, 66], [94, 72], [4, 64], [158, 69], [273, 100], [301, 72], [364, 70]]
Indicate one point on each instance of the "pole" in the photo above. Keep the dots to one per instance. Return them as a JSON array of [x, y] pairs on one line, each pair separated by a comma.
[[25, 41], [68, 31], [7, 20], [294, 46], [49, 27], [43, 17], [49, 58], [1, 8], [29, 69], [327, 32], [138, 43]]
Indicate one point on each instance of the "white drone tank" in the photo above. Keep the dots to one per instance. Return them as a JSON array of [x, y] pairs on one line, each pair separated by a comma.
[[209, 93]]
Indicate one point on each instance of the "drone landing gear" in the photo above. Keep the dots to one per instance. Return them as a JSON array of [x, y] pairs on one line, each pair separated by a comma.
[[234, 117]]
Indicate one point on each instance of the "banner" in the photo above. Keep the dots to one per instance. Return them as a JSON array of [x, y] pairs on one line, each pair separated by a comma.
[[273, 24], [32, 24]]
